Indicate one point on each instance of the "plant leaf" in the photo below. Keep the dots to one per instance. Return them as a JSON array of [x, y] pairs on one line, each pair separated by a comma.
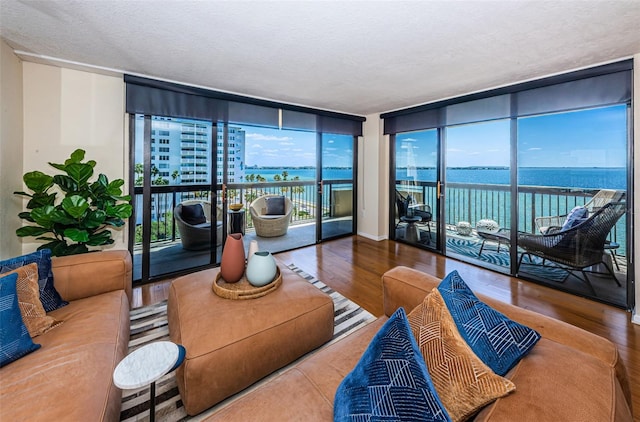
[[41, 199], [100, 238], [115, 222], [61, 217], [58, 247], [37, 181], [76, 249], [43, 216], [60, 167], [79, 172], [75, 205], [94, 219], [26, 215], [77, 235], [77, 156], [31, 231], [120, 210], [66, 183]]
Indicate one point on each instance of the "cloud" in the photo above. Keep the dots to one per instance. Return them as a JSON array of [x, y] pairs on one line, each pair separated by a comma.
[[534, 149], [261, 137], [286, 143]]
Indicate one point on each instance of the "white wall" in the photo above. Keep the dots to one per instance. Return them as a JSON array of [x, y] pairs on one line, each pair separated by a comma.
[[67, 109], [10, 150]]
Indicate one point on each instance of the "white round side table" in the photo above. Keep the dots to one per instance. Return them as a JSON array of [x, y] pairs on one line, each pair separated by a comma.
[[146, 365]]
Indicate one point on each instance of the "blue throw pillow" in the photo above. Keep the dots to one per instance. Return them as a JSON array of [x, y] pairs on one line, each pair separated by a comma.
[[576, 216], [15, 341], [49, 296], [497, 340], [390, 382]]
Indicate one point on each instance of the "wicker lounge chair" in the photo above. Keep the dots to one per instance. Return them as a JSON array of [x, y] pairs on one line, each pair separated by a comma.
[[578, 247], [197, 236], [598, 201], [273, 225]]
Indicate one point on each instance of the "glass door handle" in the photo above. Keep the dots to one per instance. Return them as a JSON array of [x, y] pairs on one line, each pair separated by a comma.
[[438, 190]]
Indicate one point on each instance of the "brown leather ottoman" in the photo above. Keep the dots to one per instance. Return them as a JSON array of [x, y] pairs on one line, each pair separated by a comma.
[[231, 344]]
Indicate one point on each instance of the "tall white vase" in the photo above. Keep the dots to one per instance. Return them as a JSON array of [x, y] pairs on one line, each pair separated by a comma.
[[261, 269]]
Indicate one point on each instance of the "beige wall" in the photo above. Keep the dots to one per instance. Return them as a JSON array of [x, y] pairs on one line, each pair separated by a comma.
[[10, 150], [373, 178], [67, 109]]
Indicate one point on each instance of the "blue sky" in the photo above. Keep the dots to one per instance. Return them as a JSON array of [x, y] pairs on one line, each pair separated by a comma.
[[273, 147], [589, 138]]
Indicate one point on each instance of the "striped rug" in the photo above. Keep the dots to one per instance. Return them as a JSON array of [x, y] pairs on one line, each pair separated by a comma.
[[149, 324]]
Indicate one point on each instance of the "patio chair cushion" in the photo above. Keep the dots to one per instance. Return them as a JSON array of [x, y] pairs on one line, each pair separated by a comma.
[[497, 340], [390, 381], [463, 382], [275, 205], [193, 214], [576, 216]]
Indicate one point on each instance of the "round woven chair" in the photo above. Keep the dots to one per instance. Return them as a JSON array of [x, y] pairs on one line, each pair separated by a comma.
[[270, 225], [198, 236]]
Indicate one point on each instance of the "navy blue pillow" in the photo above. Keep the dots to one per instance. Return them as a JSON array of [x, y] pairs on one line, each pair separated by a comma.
[[193, 214], [49, 296], [497, 340], [15, 341], [275, 205], [390, 382]]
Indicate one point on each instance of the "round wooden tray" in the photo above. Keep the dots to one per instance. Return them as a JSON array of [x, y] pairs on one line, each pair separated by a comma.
[[243, 289]]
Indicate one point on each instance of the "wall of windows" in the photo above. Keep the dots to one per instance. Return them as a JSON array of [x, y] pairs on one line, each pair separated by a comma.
[[193, 146], [516, 162]]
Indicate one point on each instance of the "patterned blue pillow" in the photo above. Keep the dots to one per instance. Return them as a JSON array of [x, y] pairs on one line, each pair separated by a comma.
[[15, 341], [498, 341], [390, 382], [49, 296]]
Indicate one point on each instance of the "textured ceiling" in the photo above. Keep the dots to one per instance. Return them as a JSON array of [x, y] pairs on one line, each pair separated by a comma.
[[358, 57]]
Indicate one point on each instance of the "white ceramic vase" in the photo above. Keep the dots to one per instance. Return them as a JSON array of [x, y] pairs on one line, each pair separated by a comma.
[[261, 269]]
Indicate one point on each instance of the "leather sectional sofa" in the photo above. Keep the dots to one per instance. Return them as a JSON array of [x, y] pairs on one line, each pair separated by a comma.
[[569, 375], [70, 377]]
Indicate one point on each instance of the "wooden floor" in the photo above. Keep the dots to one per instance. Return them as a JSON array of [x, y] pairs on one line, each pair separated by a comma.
[[354, 265]]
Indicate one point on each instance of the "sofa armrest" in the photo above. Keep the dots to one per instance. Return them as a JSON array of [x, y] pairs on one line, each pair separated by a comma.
[[405, 287], [90, 274]]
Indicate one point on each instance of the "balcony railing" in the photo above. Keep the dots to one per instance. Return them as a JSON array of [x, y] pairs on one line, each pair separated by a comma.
[[474, 202]]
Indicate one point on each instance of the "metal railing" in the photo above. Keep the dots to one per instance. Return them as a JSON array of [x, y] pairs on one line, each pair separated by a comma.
[[474, 202], [303, 195]]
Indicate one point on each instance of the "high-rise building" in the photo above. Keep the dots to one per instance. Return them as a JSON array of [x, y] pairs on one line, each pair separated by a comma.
[[181, 152]]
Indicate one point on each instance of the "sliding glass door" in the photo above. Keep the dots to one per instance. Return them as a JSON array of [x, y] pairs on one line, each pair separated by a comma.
[[177, 216], [574, 163], [416, 192], [478, 198], [336, 190]]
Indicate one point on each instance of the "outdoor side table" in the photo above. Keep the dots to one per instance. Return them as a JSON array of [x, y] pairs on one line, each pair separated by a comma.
[[145, 366], [236, 221]]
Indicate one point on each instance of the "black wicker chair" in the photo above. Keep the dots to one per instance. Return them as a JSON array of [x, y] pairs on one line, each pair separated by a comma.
[[407, 211], [577, 248]]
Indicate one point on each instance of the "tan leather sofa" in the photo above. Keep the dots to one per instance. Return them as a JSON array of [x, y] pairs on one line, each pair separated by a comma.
[[570, 375], [70, 377]]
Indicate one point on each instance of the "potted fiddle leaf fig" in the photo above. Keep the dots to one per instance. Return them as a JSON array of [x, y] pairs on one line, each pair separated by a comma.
[[84, 213]]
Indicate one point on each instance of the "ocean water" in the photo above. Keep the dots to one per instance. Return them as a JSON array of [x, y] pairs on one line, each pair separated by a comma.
[[569, 177]]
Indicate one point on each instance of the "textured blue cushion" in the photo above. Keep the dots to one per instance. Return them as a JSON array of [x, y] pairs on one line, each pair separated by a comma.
[[390, 382], [15, 341], [49, 296], [498, 341], [576, 216]]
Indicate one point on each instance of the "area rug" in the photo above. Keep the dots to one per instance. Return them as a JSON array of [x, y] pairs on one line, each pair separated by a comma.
[[149, 324]]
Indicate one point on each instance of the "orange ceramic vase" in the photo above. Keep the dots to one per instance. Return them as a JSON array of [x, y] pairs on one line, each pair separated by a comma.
[[232, 261]]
